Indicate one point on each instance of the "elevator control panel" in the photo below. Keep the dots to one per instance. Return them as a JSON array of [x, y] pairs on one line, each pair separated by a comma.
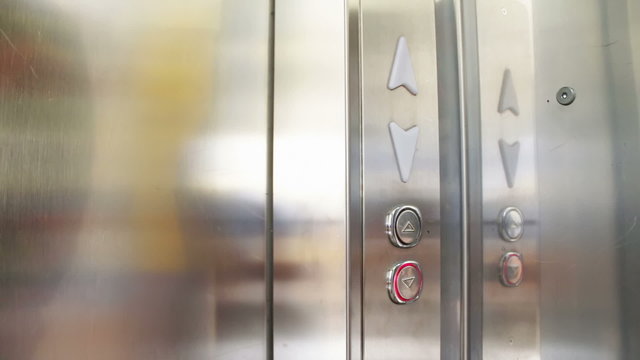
[[510, 219], [400, 173], [404, 226], [404, 282]]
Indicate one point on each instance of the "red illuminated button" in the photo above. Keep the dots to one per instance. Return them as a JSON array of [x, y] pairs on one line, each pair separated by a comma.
[[511, 269], [404, 282]]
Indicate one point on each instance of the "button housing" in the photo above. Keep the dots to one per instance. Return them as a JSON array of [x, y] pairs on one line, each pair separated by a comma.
[[404, 282], [511, 224], [511, 269], [404, 226]]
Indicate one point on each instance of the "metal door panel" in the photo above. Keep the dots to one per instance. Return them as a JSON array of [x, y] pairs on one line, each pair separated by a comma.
[[581, 160], [309, 180], [453, 333], [130, 162], [588, 161], [211, 179]]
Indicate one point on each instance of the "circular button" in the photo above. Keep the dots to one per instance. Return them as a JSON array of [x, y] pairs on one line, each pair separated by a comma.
[[404, 282], [511, 269], [408, 227], [511, 224], [404, 226]]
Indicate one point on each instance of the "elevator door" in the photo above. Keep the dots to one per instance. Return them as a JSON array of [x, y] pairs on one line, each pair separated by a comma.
[[319, 179], [133, 149], [557, 127]]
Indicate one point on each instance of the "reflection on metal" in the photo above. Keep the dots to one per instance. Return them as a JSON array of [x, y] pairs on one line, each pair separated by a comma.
[[404, 146], [132, 213], [134, 151], [310, 180], [402, 69], [404, 282], [566, 95], [508, 96], [404, 226], [511, 224], [511, 269], [510, 318], [471, 216], [509, 154]]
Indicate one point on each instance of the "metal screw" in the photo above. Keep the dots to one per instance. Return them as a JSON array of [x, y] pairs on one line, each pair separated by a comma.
[[566, 95]]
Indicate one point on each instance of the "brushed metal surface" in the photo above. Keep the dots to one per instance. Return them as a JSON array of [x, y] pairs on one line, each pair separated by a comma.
[[133, 157], [471, 219], [628, 166], [584, 156], [391, 331], [453, 290], [589, 163], [354, 179], [310, 180], [510, 326]]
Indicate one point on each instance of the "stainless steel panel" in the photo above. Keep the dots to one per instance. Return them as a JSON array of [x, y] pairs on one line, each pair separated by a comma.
[[391, 331], [310, 186], [505, 45], [452, 303], [584, 158], [471, 181], [354, 179], [628, 148], [133, 159], [589, 163]]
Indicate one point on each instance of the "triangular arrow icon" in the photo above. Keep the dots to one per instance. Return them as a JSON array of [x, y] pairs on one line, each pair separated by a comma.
[[408, 281], [408, 228], [402, 70], [508, 97], [404, 144], [509, 154]]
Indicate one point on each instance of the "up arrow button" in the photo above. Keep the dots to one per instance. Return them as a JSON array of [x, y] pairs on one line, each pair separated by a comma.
[[402, 69], [408, 228]]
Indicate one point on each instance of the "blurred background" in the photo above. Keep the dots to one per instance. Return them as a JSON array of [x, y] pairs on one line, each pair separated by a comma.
[[132, 139]]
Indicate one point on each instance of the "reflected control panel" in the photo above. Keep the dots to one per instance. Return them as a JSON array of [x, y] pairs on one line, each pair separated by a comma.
[[510, 219]]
